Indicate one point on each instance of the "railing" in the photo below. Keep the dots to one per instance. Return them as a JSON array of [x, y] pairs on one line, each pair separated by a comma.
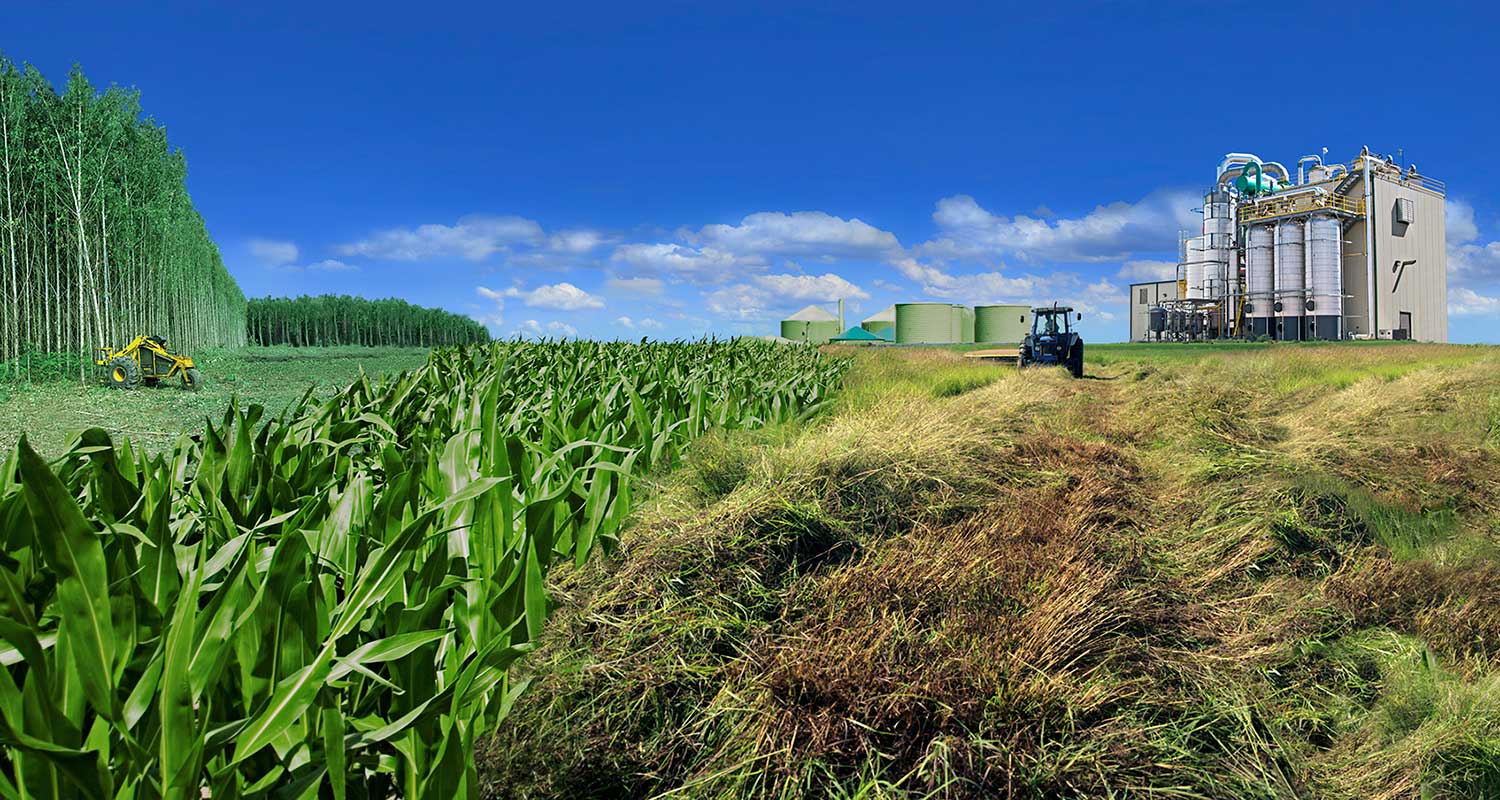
[[1405, 178], [1300, 203]]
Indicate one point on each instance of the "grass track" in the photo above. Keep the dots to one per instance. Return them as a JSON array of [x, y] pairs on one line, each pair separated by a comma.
[[1220, 571]]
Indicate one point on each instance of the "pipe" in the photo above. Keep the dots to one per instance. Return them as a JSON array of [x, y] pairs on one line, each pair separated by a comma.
[[1301, 173], [1373, 319]]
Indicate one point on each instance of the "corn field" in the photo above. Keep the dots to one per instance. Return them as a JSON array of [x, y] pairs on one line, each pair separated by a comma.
[[328, 603]]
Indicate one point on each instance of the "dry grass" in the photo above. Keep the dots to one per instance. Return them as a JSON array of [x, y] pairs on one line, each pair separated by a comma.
[[1262, 573]]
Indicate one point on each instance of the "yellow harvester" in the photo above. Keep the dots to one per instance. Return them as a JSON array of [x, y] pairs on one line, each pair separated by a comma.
[[146, 359]]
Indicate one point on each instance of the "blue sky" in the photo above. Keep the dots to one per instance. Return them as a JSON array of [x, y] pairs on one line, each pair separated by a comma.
[[674, 170]]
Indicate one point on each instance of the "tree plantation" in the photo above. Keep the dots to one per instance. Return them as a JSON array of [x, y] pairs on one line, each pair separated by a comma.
[[99, 240], [343, 320]]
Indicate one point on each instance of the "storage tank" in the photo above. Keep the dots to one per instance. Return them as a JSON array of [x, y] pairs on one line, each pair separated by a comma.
[[1218, 237], [811, 324], [882, 321], [1156, 320], [1325, 297], [1259, 260], [965, 323], [1001, 323], [1193, 266], [1290, 268], [924, 323]]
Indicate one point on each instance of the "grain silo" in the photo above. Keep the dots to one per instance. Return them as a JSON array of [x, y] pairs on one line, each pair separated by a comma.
[[882, 321], [966, 324], [924, 323], [1001, 323], [811, 324]]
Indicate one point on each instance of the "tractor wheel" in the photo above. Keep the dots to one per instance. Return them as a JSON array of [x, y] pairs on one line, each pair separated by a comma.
[[192, 379], [123, 373], [1075, 362]]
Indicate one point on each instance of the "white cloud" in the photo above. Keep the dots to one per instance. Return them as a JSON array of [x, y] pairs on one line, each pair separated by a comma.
[[332, 265], [553, 330], [798, 233], [1109, 232], [273, 253], [1463, 302], [496, 316], [646, 324], [474, 237], [809, 287], [702, 265], [1470, 261], [560, 296], [576, 241], [1145, 270], [643, 286]]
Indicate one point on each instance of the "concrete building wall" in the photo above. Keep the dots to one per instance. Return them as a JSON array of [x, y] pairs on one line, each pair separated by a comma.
[[1142, 297]]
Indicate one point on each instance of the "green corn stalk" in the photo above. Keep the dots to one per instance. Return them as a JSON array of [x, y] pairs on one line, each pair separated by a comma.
[[329, 603]]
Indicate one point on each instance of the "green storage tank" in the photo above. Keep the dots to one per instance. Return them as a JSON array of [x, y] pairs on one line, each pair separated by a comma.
[[883, 321], [968, 323], [924, 323], [1001, 323], [811, 324]]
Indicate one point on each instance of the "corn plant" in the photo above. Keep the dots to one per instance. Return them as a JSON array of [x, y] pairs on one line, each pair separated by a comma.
[[328, 603]]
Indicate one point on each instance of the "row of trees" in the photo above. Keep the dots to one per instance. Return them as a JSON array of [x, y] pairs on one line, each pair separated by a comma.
[[99, 240], [340, 319]]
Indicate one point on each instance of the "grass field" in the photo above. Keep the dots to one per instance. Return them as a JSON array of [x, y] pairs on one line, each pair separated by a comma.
[[1229, 571], [51, 413]]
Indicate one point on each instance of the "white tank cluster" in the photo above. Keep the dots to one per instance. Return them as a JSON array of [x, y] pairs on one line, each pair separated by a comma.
[[1268, 260]]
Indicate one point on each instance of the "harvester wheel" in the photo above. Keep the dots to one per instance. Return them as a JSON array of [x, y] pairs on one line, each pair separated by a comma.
[[123, 373], [192, 379]]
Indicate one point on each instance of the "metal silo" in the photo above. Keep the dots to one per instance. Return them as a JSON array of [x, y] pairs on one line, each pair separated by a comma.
[[1290, 268], [962, 323], [1325, 296], [882, 321], [1193, 264], [1001, 323], [924, 323], [1258, 266], [811, 324]]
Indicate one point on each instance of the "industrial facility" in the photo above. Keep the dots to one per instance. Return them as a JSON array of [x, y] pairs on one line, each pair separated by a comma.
[[914, 323], [1336, 251]]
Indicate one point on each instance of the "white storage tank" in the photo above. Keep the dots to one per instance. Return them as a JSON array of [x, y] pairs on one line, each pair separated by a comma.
[[1325, 296], [1193, 267], [1291, 267], [1259, 259]]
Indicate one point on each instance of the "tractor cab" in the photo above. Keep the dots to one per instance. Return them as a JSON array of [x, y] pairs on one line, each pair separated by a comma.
[[1052, 341]]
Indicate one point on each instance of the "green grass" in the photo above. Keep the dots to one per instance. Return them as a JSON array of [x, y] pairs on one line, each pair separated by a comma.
[[52, 412]]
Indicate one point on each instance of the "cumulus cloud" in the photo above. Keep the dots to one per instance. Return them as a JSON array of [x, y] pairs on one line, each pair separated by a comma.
[[273, 253], [576, 241], [1471, 261], [496, 315], [1146, 270], [698, 264], [332, 265], [474, 237], [558, 296], [798, 233], [1110, 232], [810, 287], [639, 286], [1465, 302], [553, 330], [646, 324]]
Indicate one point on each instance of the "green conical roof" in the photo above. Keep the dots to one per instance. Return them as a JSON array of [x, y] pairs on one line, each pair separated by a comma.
[[858, 334]]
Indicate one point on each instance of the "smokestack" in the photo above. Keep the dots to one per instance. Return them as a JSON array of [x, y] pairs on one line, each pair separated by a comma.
[[841, 317]]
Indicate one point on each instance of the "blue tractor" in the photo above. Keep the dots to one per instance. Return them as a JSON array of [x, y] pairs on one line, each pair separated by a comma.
[[1052, 341]]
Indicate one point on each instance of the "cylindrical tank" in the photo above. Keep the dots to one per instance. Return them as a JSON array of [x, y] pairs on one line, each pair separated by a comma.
[[816, 331], [877, 325], [1290, 272], [924, 323], [1325, 295], [1156, 319], [1008, 323], [1193, 267], [1259, 261], [969, 324]]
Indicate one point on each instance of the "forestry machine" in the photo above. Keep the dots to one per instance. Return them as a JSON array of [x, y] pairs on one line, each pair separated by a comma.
[[146, 359]]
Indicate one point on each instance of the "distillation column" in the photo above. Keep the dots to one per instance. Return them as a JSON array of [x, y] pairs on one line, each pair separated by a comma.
[[1218, 253]]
